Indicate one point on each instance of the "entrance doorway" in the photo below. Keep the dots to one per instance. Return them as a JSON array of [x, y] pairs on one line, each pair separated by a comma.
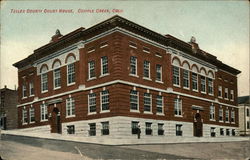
[[198, 126], [56, 121]]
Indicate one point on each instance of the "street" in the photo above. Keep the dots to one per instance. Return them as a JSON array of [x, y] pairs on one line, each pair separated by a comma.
[[23, 148]]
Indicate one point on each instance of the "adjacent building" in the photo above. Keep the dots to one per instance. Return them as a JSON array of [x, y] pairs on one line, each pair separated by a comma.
[[8, 108], [244, 115], [109, 79]]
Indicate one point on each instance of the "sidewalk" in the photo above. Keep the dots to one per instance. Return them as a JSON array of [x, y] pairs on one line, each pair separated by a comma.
[[121, 141]]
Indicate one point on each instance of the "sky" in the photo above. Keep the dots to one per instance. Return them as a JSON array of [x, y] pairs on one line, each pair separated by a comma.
[[221, 28]]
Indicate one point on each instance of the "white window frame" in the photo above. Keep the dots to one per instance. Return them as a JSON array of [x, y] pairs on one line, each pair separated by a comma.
[[44, 112], [44, 82], [160, 98], [136, 99], [148, 96], [31, 86], [177, 107], [226, 92], [57, 78], [232, 95], [104, 65], [176, 76], [91, 68], [186, 79], [158, 72], [133, 65], [196, 81], [227, 116], [70, 107], [232, 116], [24, 91], [146, 68], [104, 100], [203, 83], [32, 114], [71, 74], [210, 86], [24, 115], [212, 112], [91, 102], [220, 91], [221, 114]]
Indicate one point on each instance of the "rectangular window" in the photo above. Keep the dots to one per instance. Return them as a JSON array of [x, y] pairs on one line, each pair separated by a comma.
[[132, 45], [91, 65], [178, 130], [105, 128], [57, 78], [145, 49], [25, 116], [92, 129], [44, 82], [210, 86], [233, 132], [146, 69], [134, 127], [158, 73], [176, 76], [226, 93], [159, 104], [147, 102], [248, 124], [105, 100], [248, 112], [148, 130], [70, 107], [178, 107], [220, 91], [232, 95], [160, 129], [71, 73], [227, 132], [104, 65], [221, 131], [221, 114], [212, 112], [32, 115], [185, 78], [133, 65], [227, 115], [44, 112], [31, 89], [212, 132], [203, 84], [232, 116], [71, 129], [92, 102], [103, 44], [133, 100], [194, 82], [24, 91]]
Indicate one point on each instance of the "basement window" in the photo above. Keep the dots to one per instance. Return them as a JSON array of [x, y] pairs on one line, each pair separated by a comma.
[[71, 129]]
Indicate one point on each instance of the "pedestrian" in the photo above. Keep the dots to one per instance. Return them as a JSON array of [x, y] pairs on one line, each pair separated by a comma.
[[139, 132]]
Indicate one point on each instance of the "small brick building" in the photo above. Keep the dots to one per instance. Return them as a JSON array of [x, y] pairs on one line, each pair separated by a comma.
[[116, 76], [8, 108]]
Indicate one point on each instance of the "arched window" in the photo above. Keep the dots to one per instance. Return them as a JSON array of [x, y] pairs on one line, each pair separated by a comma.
[[44, 78], [57, 74], [70, 69]]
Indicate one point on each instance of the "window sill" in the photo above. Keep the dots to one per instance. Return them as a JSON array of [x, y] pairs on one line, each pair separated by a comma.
[[104, 46], [195, 90], [232, 122], [210, 94], [221, 121], [212, 120], [175, 85], [134, 75], [178, 116], [146, 112], [71, 116], [57, 88], [91, 78], [24, 124], [91, 113], [105, 111], [203, 92], [24, 97], [145, 78], [32, 95], [132, 47], [160, 114], [186, 88], [71, 84], [159, 81], [104, 75], [146, 51], [32, 122], [220, 97], [232, 100], [226, 99], [44, 120], [44, 91], [136, 111], [227, 122]]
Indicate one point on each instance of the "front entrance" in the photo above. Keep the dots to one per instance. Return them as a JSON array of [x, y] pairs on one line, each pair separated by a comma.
[[198, 126], [56, 121]]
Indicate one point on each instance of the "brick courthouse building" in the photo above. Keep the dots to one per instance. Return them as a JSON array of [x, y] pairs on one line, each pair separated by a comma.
[[108, 79]]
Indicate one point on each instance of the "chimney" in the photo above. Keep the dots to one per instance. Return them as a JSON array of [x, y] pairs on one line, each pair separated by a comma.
[[194, 45], [56, 36], [5, 86]]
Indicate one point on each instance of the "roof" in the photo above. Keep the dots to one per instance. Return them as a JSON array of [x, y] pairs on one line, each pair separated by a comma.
[[243, 100], [117, 21]]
